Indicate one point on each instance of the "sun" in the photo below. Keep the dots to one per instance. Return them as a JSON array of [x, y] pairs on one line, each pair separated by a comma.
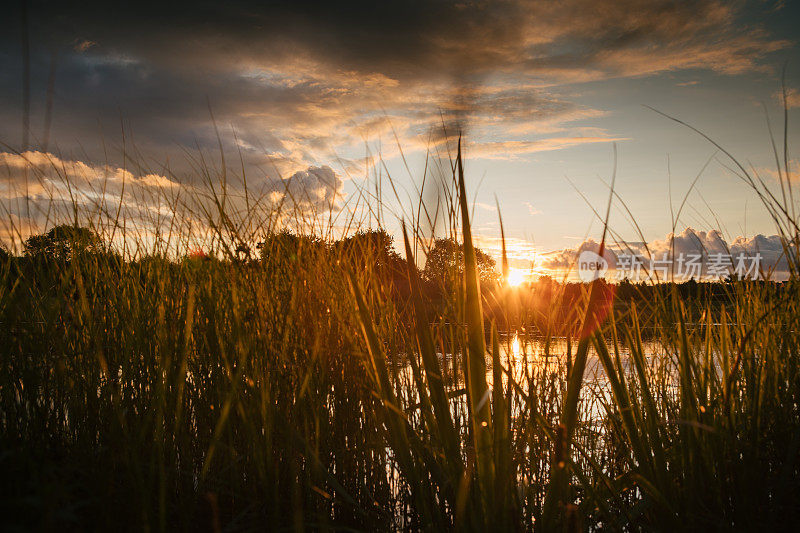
[[516, 278]]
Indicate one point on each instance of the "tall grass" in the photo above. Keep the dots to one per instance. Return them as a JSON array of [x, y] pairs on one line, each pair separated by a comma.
[[320, 387]]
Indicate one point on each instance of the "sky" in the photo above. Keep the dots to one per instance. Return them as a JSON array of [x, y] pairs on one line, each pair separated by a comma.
[[321, 98]]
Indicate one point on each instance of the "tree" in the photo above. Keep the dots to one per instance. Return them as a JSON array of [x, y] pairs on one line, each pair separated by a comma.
[[371, 248], [276, 248], [63, 243], [446, 259]]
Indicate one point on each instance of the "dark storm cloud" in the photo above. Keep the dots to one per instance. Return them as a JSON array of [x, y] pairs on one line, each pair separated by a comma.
[[299, 81], [403, 37], [364, 35]]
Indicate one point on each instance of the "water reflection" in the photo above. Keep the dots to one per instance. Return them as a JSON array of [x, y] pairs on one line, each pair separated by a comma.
[[528, 352], [515, 345], [540, 365]]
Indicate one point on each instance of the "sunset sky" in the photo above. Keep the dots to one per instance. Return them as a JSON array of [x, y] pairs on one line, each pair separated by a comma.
[[541, 90]]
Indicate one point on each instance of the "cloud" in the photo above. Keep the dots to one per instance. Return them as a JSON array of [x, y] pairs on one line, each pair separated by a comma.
[[486, 207], [709, 246], [770, 247], [711, 243], [514, 149], [792, 98], [531, 209], [318, 188], [84, 45], [773, 174], [308, 80], [566, 259], [690, 241], [417, 39], [40, 189], [45, 175], [304, 84], [521, 253]]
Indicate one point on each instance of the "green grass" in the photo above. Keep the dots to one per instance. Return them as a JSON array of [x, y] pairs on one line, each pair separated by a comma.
[[306, 390]]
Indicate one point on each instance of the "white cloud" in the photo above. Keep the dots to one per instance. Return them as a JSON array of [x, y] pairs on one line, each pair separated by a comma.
[[319, 188], [42, 174], [689, 242], [567, 258], [531, 210], [40, 189]]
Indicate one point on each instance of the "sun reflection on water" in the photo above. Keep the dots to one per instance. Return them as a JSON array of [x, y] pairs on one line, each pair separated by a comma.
[[515, 348]]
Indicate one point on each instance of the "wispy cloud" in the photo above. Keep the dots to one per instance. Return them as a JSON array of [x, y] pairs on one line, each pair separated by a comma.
[[531, 210], [792, 98], [514, 149]]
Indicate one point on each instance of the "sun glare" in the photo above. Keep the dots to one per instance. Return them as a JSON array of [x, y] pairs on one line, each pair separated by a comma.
[[515, 348], [516, 278]]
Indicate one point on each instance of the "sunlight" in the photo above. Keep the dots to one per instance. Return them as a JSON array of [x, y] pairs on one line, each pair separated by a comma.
[[515, 348], [516, 278]]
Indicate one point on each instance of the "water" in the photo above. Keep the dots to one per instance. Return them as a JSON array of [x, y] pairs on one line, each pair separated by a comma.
[[534, 352], [535, 359]]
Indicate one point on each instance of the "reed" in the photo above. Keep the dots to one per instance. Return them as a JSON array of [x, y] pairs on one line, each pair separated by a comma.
[[327, 384]]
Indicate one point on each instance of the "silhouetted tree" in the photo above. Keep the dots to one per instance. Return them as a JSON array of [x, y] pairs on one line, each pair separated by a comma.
[[446, 260], [373, 247], [63, 243], [372, 250]]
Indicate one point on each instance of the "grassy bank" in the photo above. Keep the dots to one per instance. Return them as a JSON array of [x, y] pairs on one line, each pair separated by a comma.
[[305, 388]]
